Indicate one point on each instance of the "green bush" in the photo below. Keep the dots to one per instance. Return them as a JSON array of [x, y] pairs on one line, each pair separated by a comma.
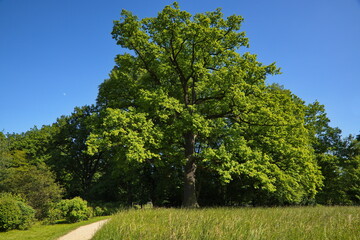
[[15, 213], [106, 208], [75, 210], [53, 214], [98, 211]]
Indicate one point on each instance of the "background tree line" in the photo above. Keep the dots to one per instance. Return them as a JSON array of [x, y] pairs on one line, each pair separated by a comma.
[[52, 162], [185, 120]]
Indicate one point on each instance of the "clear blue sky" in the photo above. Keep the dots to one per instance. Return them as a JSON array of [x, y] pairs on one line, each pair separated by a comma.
[[54, 54]]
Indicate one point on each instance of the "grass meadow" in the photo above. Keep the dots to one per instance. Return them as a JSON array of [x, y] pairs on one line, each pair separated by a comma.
[[289, 223]]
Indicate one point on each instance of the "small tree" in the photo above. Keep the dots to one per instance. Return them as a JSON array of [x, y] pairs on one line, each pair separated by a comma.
[[35, 183]]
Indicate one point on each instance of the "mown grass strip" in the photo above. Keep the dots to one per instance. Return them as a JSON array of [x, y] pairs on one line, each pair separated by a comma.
[[294, 223], [46, 232]]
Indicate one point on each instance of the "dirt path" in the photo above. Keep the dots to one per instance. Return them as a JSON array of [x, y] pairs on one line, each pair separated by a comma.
[[85, 232]]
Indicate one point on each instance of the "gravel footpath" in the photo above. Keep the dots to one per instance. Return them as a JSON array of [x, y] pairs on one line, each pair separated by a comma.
[[85, 232]]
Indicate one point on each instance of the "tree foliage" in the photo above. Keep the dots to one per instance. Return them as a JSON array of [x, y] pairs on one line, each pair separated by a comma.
[[185, 118], [337, 157], [76, 170], [183, 96], [35, 183], [24, 172]]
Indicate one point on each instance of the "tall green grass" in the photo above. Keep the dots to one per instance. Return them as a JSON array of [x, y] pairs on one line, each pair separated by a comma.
[[235, 223]]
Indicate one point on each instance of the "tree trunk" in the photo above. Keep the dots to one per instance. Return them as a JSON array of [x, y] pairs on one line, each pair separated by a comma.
[[190, 199]]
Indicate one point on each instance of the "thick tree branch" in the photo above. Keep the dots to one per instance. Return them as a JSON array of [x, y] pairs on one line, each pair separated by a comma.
[[183, 79]]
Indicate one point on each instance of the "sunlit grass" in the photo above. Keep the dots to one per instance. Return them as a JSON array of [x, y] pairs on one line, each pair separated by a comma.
[[45, 232], [235, 223]]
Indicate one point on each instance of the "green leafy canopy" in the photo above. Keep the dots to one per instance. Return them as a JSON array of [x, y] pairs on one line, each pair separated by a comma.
[[184, 95]]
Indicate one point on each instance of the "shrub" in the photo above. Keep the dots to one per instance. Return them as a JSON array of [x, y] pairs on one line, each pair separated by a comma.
[[37, 185], [54, 214], [15, 213], [75, 210], [98, 211]]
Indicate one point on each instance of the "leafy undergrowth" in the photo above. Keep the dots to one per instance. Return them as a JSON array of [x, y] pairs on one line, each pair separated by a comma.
[[235, 223], [46, 232]]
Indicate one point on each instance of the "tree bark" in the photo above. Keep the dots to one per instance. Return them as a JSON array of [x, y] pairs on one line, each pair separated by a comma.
[[190, 198]]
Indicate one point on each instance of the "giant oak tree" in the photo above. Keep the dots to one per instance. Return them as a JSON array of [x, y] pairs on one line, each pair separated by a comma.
[[183, 96]]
